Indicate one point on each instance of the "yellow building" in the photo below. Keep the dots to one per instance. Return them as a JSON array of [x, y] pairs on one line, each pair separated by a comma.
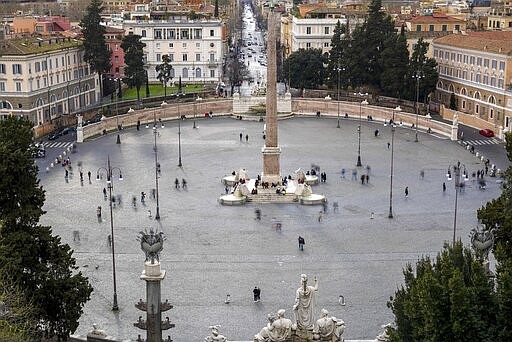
[[477, 68]]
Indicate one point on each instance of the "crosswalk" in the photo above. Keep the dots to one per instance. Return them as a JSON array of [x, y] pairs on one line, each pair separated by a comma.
[[57, 144], [492, 141]]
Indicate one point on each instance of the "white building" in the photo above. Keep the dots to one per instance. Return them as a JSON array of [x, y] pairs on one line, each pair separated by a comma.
[[195, 47], [44, 79], [313, 33]]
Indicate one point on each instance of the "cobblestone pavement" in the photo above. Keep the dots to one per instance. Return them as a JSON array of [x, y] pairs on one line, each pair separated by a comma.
[[213, 250]]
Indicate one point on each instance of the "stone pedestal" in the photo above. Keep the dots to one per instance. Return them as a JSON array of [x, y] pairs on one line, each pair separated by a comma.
[[79, 130], [455, 132], [271, 166]]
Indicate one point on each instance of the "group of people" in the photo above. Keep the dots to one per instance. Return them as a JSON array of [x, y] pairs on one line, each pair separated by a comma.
[[183, 183]]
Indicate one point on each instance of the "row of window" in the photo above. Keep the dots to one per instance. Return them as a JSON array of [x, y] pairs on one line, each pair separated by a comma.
[[184, 45], [327, 30], [463, 74], [185, 33], [17, 86], [44, 65], [80, 73], [463, 58], [431, 28], [184, 57]]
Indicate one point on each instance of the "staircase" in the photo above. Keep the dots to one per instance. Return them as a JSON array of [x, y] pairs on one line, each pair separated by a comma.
[[270, 196]]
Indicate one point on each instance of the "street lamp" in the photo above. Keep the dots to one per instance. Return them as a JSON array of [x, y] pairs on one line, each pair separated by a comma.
[[179, 136], [364, 102], [392, 124], [118, 141], [339, 70], [458, 185], [418, 75], [198, 99], [157, 166], [110, 184]]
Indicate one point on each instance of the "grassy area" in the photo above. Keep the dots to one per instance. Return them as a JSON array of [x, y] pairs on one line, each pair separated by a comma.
[[158, 90]]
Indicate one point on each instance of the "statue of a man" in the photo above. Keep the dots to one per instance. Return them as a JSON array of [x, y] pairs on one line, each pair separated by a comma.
[[304, 303], [215, 336], [328, 328], [278, 329]]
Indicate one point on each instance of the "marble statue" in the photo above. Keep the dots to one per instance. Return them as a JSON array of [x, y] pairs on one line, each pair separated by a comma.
[[278, 328], [303, 190], [300, 175], [152, 244], [383, 337], [97, 332], [482, 240], [241, 175], [329, 328], [214, 335], [455, 120], [304, 303]]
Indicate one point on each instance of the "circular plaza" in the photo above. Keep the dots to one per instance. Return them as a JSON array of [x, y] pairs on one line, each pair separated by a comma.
[[212, 250]]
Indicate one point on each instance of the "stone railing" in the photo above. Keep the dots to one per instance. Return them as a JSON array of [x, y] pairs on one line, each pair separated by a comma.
[[471, 121]]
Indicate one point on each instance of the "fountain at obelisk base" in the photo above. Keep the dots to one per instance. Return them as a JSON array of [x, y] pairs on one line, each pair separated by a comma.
[[270, 187]]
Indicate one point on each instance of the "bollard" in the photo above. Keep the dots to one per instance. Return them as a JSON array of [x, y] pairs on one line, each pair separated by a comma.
[[64, 153], [47, 169], [51, 165], [477, 154], [482, 158]]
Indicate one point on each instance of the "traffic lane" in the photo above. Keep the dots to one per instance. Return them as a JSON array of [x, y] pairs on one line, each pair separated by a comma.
[[495, 152]]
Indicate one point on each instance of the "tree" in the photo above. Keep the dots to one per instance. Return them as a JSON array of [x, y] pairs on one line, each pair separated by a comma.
[[216, 9], [311, 60], [449, 299], [394, 61], [453, 102], [31, 258], [337, 60], [134, 73], [164, 72], [96, 51], [237, 72], [424, 66]]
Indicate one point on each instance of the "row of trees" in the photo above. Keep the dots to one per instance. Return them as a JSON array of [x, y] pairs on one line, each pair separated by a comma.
[[453, 298], [373, 56], [41, 287]]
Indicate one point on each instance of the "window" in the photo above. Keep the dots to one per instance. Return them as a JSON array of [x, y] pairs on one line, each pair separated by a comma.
[[308, 30], [486, 79], [143, 33], [212, 73], [494, 64], [62, 60], [478, 78], [198, 33], [444, 28], [2, 86], [198, 57], [18, 86], [493, 81], [38, 84], [308, 45], [212, 33], [171, 57], [198, 45], [436, 53], [158, 57], [184, 57], [116, 47], [500, 83], [116, 59], [452, 56], [431, 28], [502, 65], [326, 30], [418, 28], [51, 64], [479, 61], [184, 45], [212, 57], [16, 69], [326, 44], [486, 63], [465, 59], [38, 66], [465, 74], [117, 70], [463, 104], [441, 54], [74, 59], [157, 33], [477, 108], [472, 60], [58, 79], [157, 45], [457, 27], [56, 62], [171, 45], [459, 57], [171, 34]]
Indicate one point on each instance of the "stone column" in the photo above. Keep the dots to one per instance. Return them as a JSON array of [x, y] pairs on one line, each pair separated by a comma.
[[79, 129], [271, 150]]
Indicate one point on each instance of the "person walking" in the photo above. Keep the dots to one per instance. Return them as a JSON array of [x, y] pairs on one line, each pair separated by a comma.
[[406, 191], [256, 294], [362, 179], [81, 176], [142, 197], [98, 213], [354, 174], [422, 174], [342, 173], [247, 138], [444, 187], [241, 135], [320, 216], [183, 183], [89, 175], [104, 193], [177, 183], [367, 179], [389, 144], [301, 243]]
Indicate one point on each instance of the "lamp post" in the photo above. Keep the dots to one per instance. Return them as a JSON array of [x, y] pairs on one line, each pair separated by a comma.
[[118, 141], [157, 166], [458, 185], [339, 70], [417, 76], [110, 184], [364, 102], [179, 137], [198, 99], [392, 124]]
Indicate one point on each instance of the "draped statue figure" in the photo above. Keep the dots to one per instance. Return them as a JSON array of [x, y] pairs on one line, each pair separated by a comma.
[[278, 328], [304, 303], [329, 328]]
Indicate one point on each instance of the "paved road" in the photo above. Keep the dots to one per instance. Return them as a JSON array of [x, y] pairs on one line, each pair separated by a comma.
[[213, 250]]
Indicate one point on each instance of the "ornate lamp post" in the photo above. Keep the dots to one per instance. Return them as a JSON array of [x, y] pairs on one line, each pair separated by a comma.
[[418, 75], [110, 184], [392, 124], [364, 102], [157, 166], [458, 185]]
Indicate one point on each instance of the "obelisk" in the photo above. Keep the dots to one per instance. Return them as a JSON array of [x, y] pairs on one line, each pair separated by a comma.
[[271, 151]]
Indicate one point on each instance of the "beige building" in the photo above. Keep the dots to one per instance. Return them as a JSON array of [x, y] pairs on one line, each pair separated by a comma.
[[477, 68], [42, 79]]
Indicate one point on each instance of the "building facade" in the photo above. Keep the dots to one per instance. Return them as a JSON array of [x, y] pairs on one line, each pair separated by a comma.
[[114, 38], [477, 68], [41, 80], [195, 47]]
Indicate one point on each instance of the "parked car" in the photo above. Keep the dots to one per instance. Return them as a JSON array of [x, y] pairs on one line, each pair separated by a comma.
[[54, 135], [487, 132]]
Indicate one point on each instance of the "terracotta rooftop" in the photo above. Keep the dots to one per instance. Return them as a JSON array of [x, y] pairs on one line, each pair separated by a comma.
[[434, 19], [490, 41]]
